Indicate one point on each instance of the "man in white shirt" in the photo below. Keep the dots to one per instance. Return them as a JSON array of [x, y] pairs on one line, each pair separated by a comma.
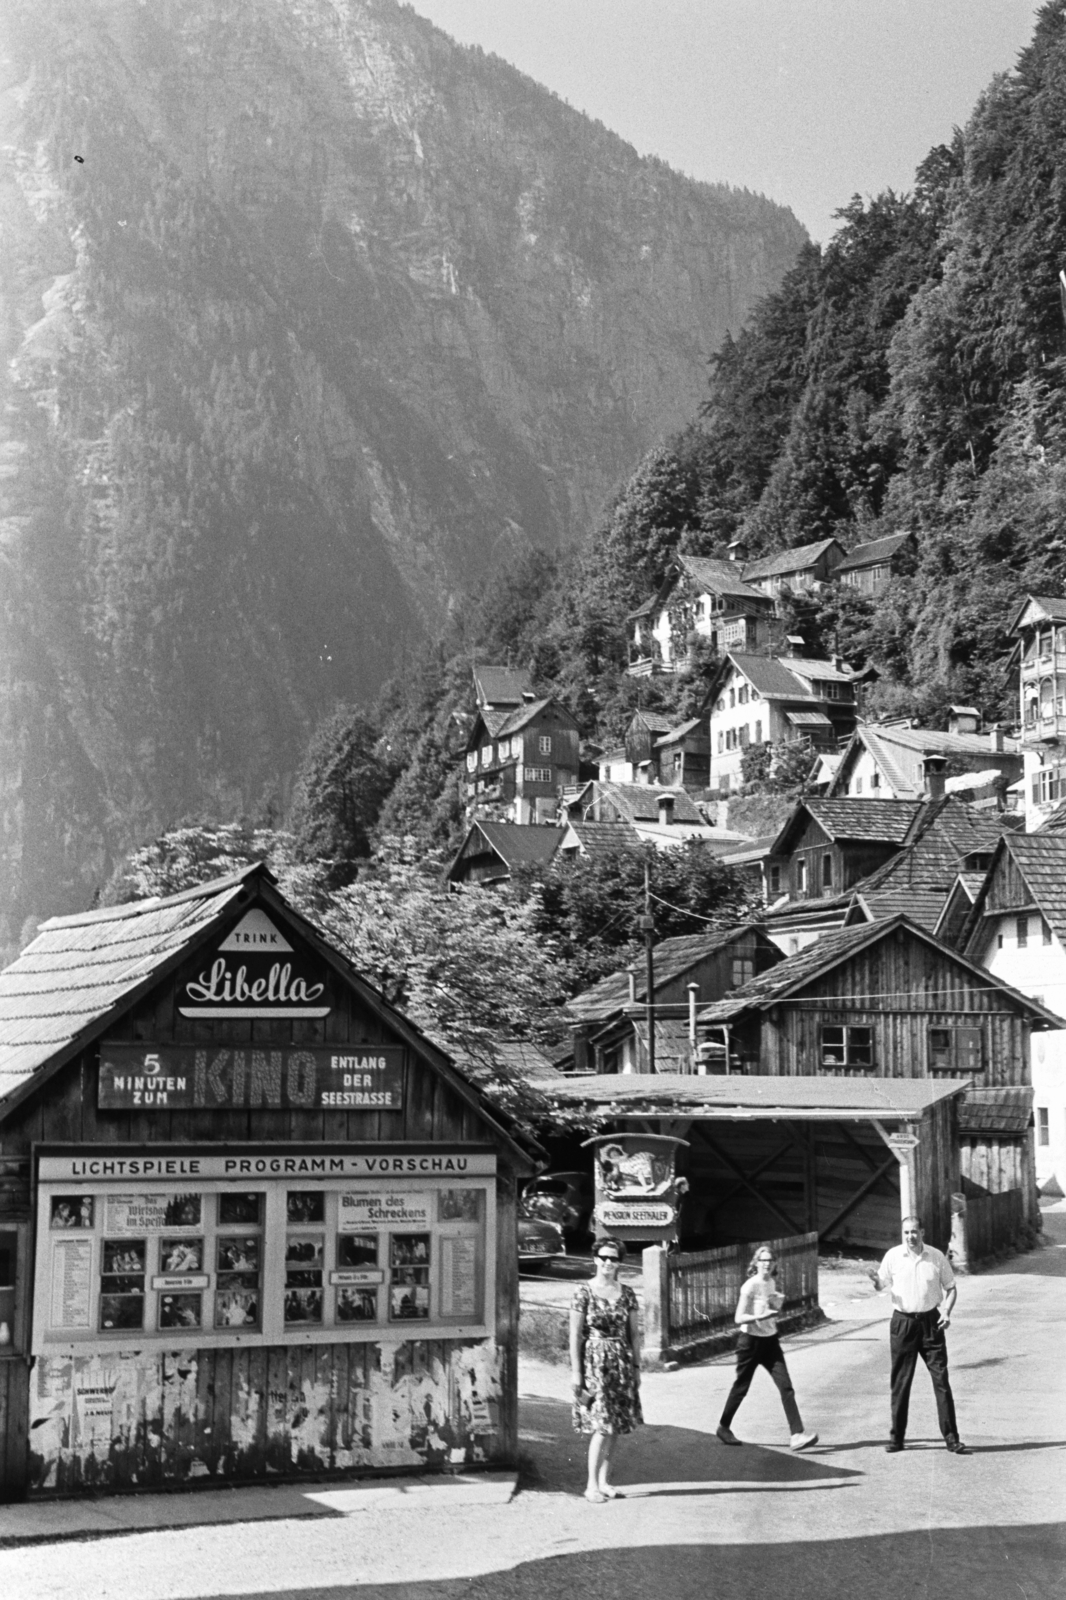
[[923, 1297]]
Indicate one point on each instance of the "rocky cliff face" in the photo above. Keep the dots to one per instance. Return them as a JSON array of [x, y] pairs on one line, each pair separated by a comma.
[[308, 314]]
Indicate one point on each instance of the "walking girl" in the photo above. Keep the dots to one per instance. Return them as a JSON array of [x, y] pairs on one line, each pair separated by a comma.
[[758, 1346], [605, 1365]]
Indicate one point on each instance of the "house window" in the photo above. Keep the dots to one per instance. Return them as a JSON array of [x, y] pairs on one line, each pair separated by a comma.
[[8, 1261], [721, 743], [858, 786], [775, 880], [848, 1049], [827, 871], [486, 755], [801, 876], [1045, 931], [743, 970], [1022, 925], [537, 774], [471, 761], [1045, 645], [742, 697], [755, 694], [544, 744], [875, 781], [758, 732], [745, 737], [732, 697], [719, 705], [1043, 1125], [956, 1050]]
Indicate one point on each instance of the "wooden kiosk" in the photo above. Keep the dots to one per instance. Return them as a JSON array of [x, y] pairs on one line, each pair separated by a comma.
[[252, 1223]]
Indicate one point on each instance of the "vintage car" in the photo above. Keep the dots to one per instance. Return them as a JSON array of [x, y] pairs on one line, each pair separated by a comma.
[[563, 1197], [539, 1239]]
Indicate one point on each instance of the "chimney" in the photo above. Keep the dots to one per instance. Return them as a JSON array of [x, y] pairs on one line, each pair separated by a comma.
[[795, 644], [995, 739], [529, 695], [738, 550], [580, 1038], [933, 772], [964, 719], [693, 993], [632, 972], [666, 810]]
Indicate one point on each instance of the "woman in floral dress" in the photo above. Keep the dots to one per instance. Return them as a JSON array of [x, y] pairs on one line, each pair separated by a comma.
[[605, 1364]]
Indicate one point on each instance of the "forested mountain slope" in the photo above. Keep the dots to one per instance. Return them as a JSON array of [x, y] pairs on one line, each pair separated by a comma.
[[309, 317], [909, 376]]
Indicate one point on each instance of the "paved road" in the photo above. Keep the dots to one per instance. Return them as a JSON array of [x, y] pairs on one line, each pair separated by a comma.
[[698, 1520]]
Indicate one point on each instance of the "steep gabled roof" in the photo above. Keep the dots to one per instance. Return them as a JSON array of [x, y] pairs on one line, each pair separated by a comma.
[[515, 846], [82, 972], [1041, 860], [796, 972], [873, 552], [1046, 608], [918, 881], [672, 959], [721, 577], [654, 721], [899, 751], [501, 686], [853, 821], [797, 560], [770, 676], [528, 712], [682, 731], [639, 802]]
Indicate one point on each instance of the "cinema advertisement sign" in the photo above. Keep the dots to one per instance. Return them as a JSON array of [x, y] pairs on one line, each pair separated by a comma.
[[165, 1077]]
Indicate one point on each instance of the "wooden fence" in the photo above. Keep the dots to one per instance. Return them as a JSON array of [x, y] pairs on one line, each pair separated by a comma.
[[690, 1300], [983, 1226]]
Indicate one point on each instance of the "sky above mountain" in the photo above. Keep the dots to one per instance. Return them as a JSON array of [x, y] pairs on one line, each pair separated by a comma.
[[806, 103]]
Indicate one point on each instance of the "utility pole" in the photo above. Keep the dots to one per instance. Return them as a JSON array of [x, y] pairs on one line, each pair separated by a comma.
[[647, 927]]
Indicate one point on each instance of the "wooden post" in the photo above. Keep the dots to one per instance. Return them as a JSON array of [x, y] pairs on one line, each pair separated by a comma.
[[656, 1345]]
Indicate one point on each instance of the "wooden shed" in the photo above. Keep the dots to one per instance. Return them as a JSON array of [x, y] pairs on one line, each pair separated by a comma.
[[260, 1225], [888, 1000]]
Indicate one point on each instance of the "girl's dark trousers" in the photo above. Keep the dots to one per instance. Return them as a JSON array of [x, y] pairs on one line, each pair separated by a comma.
[[758, 1350]]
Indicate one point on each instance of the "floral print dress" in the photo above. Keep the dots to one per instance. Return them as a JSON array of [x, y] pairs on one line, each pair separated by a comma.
[[609, 1368]]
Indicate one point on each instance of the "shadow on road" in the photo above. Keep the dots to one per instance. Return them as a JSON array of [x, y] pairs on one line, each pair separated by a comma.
[[975, 1563], [654, 1457]]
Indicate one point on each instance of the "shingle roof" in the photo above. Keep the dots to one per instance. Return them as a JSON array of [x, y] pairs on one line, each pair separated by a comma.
[[918, 881], [654, 721], [516, 845], [1041, 860], [816, 667], [673, 1050], [500, 686], [1006, 1110], [874, 551], [808, 719], [1055, 821], [795, 972], [672, 957], [78, 969], [1053, 607], [719, 1096], [770, 676], [720, 577], [882, 821], [639, 802], [680, 732], [796, 560], [603, 838], [521, 715]]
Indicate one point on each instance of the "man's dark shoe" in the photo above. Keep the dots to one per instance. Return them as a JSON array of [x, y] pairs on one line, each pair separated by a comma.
[[893, 1446], [726, 1435], [957, 1447]]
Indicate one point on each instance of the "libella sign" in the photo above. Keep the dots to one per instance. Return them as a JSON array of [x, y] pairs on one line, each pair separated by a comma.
[[255, 972]]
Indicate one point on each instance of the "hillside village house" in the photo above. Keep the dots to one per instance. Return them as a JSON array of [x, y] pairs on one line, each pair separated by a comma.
[[518, 761], [660, 816], [887, 1000], [779, 699], [262, 1227], [492, 852], [1040, 630], [888, 760], [702, 597], [869, 568], [797, 570], [1017, 929]]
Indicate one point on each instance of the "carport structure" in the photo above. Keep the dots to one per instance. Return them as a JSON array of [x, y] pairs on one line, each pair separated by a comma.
[[841, 1157]]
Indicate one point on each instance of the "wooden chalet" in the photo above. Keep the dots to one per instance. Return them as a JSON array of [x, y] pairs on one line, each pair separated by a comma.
[[519, 761], [798, 569], [828, 846], [644, 730], [493, 851], [609, 1019], [887, 1000], [869, 568], [775, 700], [261, 1225], [700, 597], [683, 755]]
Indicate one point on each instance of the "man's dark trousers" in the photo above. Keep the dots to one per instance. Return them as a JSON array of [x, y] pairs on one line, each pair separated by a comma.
[[911, 1337]]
